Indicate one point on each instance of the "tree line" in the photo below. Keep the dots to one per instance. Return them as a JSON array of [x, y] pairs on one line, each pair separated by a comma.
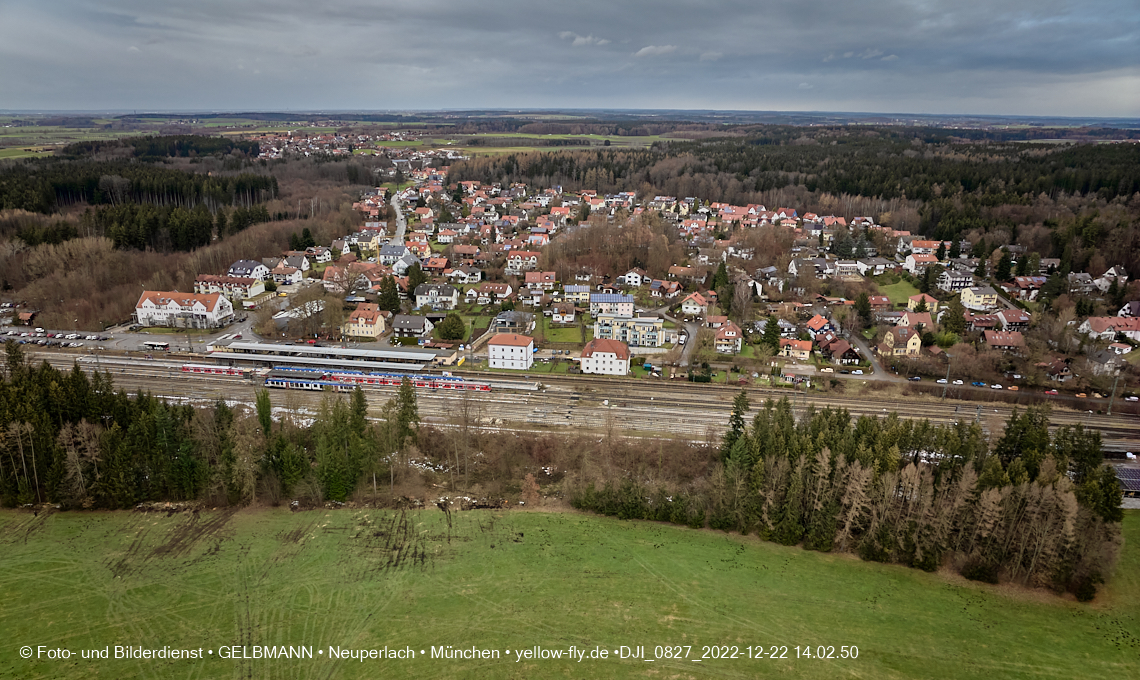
[[46, 185], [75, 441], [162, 146], [1037, 509]]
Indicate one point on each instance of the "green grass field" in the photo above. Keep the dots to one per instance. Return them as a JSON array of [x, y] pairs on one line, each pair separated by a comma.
[[515, 580], [898, 292]]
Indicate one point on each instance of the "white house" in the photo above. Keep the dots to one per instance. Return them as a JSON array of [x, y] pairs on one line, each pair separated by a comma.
[[607, 357], [438, 295], [611, 303], [183, 310], [510, 350], [249, 269], [694, 305]]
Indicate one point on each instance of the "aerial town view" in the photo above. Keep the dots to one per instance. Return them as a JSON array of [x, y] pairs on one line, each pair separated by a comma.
[[569, 343]]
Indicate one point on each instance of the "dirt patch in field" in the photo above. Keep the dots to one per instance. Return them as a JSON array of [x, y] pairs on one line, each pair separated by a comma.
[[195, 528]]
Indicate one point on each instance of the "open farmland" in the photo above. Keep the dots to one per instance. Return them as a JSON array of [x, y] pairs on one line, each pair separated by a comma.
[[498, 580]]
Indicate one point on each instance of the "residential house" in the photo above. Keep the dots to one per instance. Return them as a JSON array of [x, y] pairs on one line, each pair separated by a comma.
[[796, 349], [1130, 309], [979, 298], [664, 289], [606, 357], [818, 324], [540, 280], [1014, 319], [366, 321], [1117, 273], [390, 253], [248, 269], [1080, 283], [900, 341], [510, 350], [635, 277], [954, 281], [694, 304], [1006, 341], [576, 293], [873, 266], [512, 322], [236, 288], [642, 331], [465, 275], [435, 266], [562, 312], [841, 352], [183, 310], [298, 262], [521, 260], [919, 321], [284, 275], [728, 339], [1105, 362], [1024, 287], [335, 279], [611, 303], [408, 326], [1120, 348], [917, 264], [1106, 327], [687, 274], [319, 254], [436, 296], [401, 266], [1058, 371]]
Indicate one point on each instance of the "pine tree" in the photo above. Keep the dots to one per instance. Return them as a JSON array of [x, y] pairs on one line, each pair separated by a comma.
[[740, 407], [1002, 271], [863, 308], [389, 297], [771, 334], [941, 252]]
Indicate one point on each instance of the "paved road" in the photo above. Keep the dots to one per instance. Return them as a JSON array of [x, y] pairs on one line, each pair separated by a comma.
[[879, 373], [401, 223]]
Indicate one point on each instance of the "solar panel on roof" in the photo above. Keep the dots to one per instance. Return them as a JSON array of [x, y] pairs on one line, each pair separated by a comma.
[[1129, 478]]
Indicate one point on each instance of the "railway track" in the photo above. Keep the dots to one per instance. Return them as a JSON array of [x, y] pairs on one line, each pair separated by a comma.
[[695, 411]]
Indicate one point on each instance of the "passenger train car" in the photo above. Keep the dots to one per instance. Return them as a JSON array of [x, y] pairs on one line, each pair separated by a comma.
[[212, 370], [292, 377]]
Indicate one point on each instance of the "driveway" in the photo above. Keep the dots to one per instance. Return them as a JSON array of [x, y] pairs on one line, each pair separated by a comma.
[[878, 372]]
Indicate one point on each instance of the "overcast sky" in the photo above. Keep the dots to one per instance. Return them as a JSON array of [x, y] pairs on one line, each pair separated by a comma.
[[1017, 57]]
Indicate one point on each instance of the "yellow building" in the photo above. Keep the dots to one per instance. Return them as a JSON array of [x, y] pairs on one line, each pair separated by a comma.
[[914, 300], [980, 298], [366, 321]]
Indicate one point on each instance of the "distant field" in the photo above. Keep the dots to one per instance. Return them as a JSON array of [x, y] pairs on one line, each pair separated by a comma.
[[515, 580]]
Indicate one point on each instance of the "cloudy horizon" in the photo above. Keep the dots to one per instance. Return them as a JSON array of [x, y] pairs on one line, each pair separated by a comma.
[[1014, 58]]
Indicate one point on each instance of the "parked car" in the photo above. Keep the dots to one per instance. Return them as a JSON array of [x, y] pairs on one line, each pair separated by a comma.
[[827, 370], [995, 386], [914, 378], [1132, 399], [845, 371], [1082, 395], [1012, 388], [978, 383], [942, 381], [957, 382], [857, 371], [1053, 392]]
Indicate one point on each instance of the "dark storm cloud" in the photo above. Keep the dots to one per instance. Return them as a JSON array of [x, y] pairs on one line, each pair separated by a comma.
[[1023, 56]]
